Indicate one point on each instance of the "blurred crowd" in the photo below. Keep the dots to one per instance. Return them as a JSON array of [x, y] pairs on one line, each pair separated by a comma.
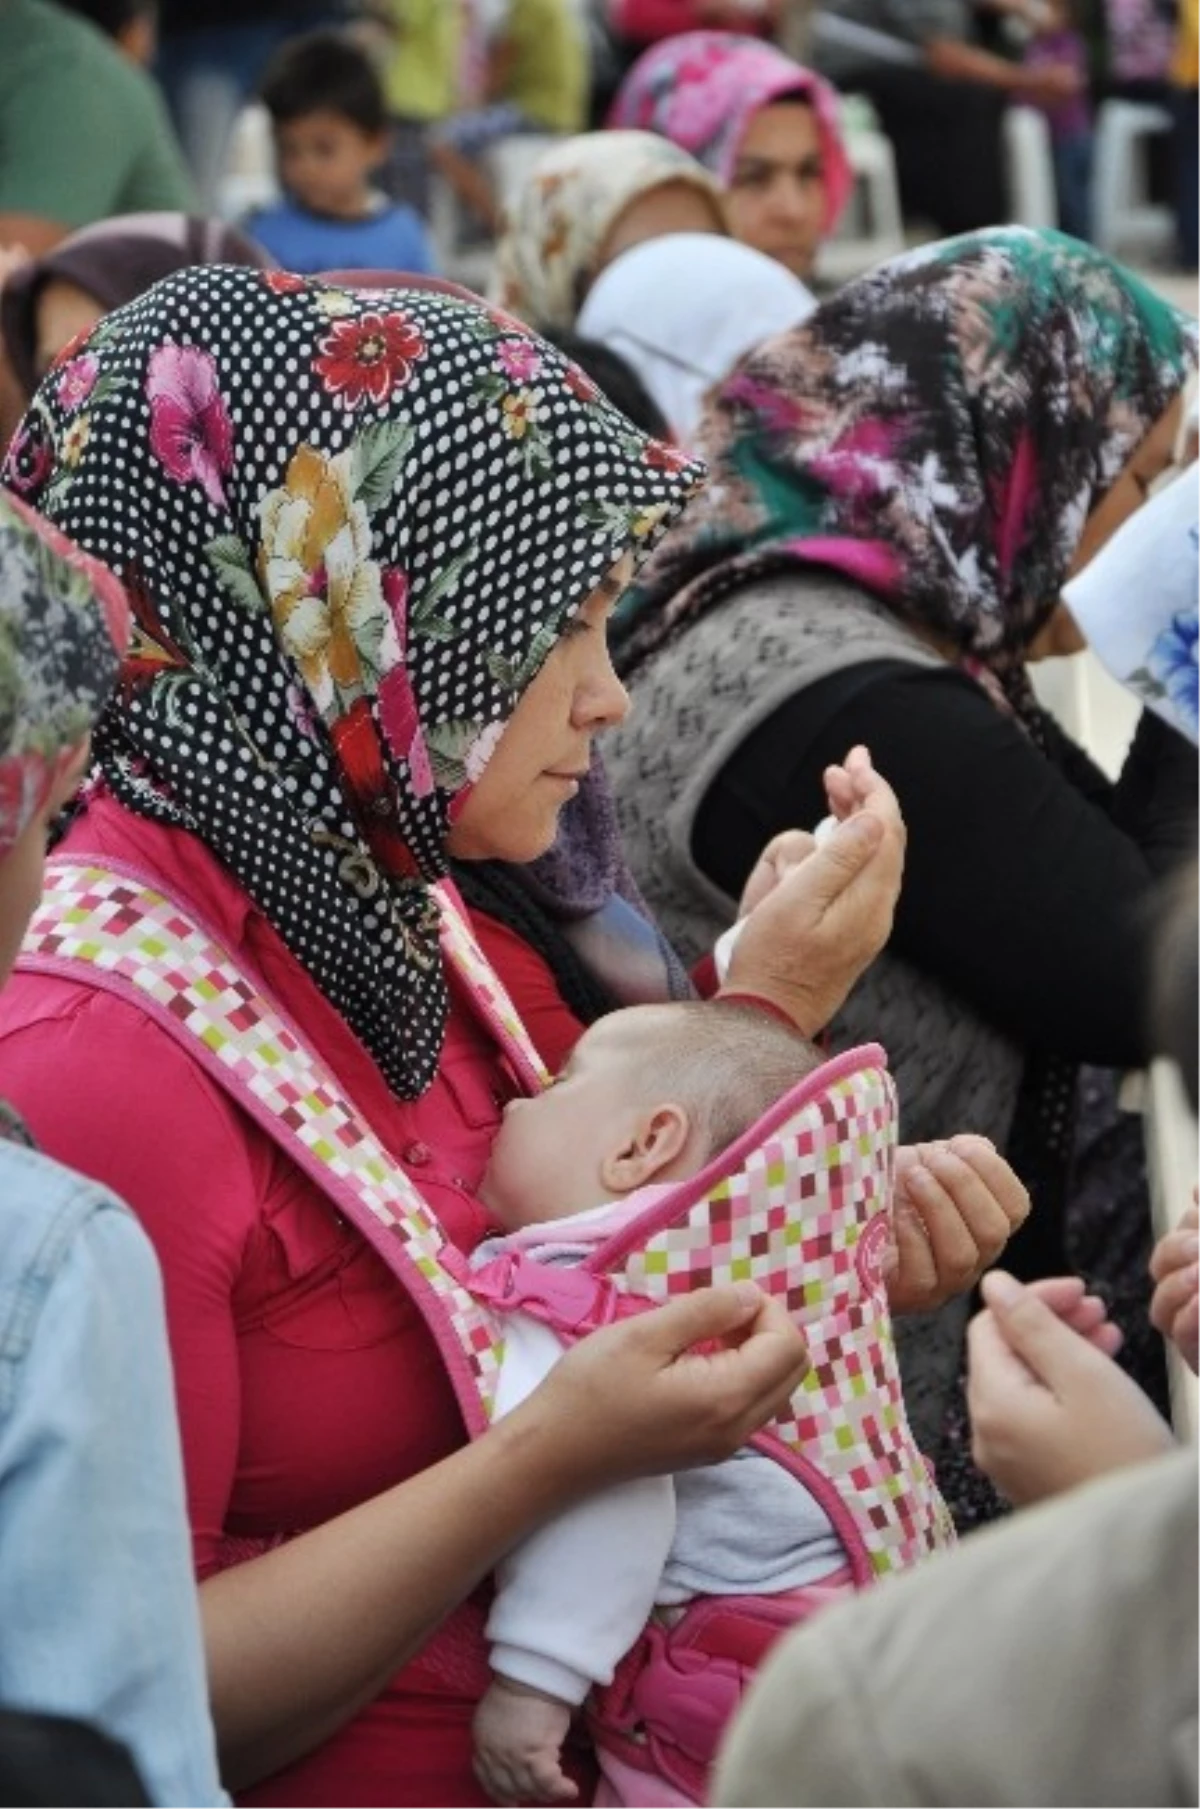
[[397, 397]]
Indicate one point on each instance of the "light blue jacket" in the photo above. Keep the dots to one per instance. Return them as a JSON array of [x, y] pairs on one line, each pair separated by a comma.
[[99, 1615]]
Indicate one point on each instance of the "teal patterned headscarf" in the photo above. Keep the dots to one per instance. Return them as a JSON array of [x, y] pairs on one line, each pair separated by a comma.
[[63, 626], [938, 431], [64, 623]]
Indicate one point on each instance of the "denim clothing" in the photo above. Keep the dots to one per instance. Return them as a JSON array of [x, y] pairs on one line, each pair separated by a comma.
[[98, 1607]]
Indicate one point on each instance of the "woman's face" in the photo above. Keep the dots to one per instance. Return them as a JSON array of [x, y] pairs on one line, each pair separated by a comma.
[[21, 868], [1130, 487], [777, 191], [62, 311], [546, 748], [671, 207], [1061, 635]]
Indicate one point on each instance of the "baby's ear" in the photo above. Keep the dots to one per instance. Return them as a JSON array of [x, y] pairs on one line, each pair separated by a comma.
[[658, 1140]]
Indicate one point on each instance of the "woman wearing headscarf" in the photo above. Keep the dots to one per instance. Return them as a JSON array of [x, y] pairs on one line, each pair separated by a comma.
[[46, 301], [91, 1487], [589, 199], [684, 309], [371, 540], [900, 489], [764, 126]]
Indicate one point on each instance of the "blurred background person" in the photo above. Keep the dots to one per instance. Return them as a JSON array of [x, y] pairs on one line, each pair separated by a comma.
[[763, 125], [46, 301], [940, 96], [330, 124], [587, 201], [212, 56], [84, 131]]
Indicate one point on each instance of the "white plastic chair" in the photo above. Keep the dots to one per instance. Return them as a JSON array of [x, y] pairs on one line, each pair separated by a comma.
[[872, 227], [1125, 220], [1029, 160], [249, 179]]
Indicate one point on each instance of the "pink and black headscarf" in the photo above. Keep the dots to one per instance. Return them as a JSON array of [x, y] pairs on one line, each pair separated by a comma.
[[938, 431], [701, 89]]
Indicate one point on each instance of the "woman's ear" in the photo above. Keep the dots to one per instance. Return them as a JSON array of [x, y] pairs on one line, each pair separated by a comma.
[[656, 1142]]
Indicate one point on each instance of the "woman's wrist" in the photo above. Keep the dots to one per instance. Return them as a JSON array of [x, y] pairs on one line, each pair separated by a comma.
[[736, 995]]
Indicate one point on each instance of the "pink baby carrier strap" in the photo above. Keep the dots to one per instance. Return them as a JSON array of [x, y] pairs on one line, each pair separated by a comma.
[[672, 1697], [113, 928]]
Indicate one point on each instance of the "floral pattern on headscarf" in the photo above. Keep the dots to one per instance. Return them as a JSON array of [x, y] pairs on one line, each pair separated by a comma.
[[555, 230], [64, 623], [348, 554], [701, 89], [939, 432]]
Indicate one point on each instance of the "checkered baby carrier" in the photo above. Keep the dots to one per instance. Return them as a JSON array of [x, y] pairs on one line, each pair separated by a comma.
[[798, 1205]]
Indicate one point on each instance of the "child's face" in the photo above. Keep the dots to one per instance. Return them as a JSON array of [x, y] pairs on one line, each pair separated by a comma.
[[326, 162], [550, 1154]]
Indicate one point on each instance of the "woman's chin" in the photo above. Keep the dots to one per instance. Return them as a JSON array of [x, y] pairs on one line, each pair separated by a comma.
[[518, 844]]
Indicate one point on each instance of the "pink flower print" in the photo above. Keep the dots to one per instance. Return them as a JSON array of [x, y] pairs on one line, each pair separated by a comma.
[[481, 751], [190, 432], [398, 715], [77, 381], [300, 709], [519, 359], [29, 461]]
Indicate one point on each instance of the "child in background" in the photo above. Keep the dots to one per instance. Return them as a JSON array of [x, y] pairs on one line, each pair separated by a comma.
[[534, 80], [649, 1096], [331, 134], [1055, 41]]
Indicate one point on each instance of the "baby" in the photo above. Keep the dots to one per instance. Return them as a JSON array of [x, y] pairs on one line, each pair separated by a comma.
[[648, 1097]]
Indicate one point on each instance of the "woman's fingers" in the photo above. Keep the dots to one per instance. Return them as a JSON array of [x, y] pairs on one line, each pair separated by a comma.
[[1171, 1296], [686, 1383], [781, 854], [953, 1218], [1086, 1314], [753, 1375], [1000, 1180], [1179, 1249]]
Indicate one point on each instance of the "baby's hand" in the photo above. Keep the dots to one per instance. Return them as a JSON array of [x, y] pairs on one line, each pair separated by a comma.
[[1175, 1308], [518, 1744]]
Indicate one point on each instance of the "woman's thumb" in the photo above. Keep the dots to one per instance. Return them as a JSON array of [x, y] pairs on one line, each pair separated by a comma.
[[705, 1316]]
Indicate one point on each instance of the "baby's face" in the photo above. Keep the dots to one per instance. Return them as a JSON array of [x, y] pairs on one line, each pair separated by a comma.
[[549, 1151]]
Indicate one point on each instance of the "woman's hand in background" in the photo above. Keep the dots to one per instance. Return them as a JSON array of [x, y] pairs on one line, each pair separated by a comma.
[[815, 916], [1049, 1407], [1175, 1308]]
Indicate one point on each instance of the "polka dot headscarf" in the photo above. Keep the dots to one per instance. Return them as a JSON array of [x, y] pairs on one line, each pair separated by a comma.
[[352, 525]]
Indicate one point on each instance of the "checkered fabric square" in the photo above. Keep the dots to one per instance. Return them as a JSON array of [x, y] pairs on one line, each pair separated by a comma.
[[807, 1218]]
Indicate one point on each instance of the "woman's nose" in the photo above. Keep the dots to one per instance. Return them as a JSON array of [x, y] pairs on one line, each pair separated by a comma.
[[602, 701], [790, 200]]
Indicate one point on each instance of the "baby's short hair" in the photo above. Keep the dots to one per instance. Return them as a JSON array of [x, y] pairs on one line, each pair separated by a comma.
[[325, 72], [726, 1064]]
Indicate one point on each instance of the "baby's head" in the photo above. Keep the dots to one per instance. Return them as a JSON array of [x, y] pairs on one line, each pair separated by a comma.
[[649, 1095]]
